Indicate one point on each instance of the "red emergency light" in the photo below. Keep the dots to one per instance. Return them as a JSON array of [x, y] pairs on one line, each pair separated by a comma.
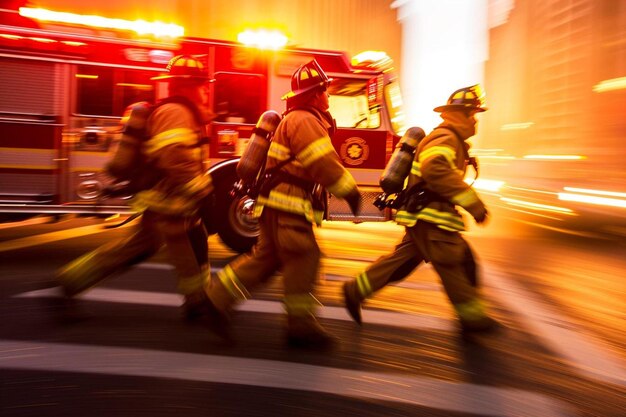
[[140, 27]]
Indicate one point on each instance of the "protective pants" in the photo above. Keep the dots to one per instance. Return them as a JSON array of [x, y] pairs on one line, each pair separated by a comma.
[[450, 255], [286, 241], [184, 237]]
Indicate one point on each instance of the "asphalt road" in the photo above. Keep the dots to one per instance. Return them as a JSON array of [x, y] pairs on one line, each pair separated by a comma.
[[124, 350]]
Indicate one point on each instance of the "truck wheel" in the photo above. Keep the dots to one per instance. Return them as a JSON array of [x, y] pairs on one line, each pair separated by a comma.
[[237, 228]]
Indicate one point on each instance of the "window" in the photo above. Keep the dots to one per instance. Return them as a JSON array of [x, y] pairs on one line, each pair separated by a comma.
[[239, 98], [106, 91], [349, 104]]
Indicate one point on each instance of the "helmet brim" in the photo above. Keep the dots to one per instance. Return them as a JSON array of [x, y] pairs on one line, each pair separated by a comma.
[[456, 107], [307, 89]]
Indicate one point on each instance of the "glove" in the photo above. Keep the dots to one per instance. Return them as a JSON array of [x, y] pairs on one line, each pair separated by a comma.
[[482, 217], [354, 201]]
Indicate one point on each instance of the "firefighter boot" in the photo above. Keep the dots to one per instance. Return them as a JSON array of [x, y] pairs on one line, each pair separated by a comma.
[[306, 332], [352, 301], [473, 317], [198, 306]]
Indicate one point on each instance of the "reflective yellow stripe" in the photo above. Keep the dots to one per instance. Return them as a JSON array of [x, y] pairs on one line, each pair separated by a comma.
[[300, 304], [466, 198], [363, 283], [315, 151], [471, 311], [197, 184], [343, 186], [231, 282], [416, 168], [435, 151], [290, 204], [443, 220], [183, 136], [188, 285], [161, 203], [278, 152]]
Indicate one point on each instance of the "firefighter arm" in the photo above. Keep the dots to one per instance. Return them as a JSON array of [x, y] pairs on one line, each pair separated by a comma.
[[315, 151], [174, 146], [439, 171]]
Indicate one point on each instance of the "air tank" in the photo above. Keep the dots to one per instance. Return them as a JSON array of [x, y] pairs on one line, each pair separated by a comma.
[[255, 153], [399, 166]]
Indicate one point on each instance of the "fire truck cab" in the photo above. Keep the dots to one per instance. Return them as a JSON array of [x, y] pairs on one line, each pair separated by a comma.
[[64, 89]]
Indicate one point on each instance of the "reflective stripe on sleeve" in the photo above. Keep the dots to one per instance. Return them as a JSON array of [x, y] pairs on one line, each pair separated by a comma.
[[315, 151], [182, 136], [343, 186], [197, 184], [435, 151], [278, 152], [416, 168], [465, 198]]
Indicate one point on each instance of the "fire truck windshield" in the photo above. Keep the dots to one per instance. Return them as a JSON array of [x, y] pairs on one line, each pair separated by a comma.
[[349, 105]]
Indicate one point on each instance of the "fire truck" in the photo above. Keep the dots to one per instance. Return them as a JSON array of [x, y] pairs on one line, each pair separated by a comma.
[[64, 87]]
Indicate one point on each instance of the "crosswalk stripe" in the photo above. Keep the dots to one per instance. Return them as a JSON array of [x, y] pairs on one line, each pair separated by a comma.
[[569, 341], [388, 318], [418, 391]]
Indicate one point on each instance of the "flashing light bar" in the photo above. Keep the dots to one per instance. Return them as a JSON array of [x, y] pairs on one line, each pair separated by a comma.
[[140, 27], [263, 39], [372, 59], [610, 85]]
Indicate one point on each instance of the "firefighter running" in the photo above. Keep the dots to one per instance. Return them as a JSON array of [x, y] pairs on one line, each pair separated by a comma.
[[432, 232], [173, 148], [287, 207]]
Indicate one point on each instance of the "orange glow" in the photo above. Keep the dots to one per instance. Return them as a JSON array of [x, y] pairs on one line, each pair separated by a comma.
[[516, 126], [263, 39], [556, 157], [583, 195], [486, 184], [11, 37], [141, 27], [90, 77], [537, 206], [610, 85]]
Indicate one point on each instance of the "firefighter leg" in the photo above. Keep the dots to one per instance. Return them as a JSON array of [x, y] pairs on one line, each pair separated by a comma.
[[115, 257], [394, 266], [236, 280], [299, 256], [448, 253], [192, 273]]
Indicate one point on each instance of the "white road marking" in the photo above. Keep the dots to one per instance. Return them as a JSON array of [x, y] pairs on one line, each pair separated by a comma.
[[419, 391], [387, 318], [44, 238], [570, 342]]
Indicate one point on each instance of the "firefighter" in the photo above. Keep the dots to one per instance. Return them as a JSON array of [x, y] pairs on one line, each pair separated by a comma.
[[288, 206], [174, 151], [433, 232]]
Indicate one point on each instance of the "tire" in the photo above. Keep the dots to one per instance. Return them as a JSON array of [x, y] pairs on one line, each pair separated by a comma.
[[232, 215]]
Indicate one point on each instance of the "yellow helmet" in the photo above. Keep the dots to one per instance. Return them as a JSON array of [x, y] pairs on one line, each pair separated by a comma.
[[306, 78], [466, 98], [185, 67]]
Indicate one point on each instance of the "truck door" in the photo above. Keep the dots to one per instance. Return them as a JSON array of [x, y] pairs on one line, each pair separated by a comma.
[[364, 139]]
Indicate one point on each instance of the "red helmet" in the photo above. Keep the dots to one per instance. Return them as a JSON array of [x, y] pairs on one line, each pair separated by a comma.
[[466, 98], [306, 78], [185, 67]]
